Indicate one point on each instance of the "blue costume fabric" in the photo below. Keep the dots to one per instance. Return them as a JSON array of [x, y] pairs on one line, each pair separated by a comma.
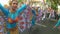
[[13, 16], [58, 23], [34, 17]]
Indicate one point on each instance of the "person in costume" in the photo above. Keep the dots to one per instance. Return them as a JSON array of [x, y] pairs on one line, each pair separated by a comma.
[[39, 16], [12, 15], [57, 24], [28, 15], [25, 19], [52, 14], [1, 25], [22, 22], [44, 12], [33, 16]]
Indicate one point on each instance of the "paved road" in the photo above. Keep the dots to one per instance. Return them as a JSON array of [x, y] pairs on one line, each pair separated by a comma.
[[43, 27]]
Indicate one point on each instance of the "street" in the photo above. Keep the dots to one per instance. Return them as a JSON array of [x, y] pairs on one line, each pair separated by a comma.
[[44, 27]]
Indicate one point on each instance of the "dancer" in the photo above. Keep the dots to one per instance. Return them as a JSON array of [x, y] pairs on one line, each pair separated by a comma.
[[12, 16], [39, 16], [57, 24], [1, 25], [22, 22], [34, 16]]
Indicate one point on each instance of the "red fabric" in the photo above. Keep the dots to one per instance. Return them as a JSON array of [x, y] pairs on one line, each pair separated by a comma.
[[10, 20], [13, 21], [21, 23], [22, 27], [16, 20], [20, 18]]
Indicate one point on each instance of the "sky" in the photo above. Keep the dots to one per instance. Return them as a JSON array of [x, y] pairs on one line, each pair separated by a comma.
[[4, 2]]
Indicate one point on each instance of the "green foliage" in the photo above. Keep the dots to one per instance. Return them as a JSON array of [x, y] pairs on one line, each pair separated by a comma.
[[19, 0], [53, 4]]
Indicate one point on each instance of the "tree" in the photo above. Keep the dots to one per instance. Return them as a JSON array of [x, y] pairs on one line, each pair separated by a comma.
[[54, 4]]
